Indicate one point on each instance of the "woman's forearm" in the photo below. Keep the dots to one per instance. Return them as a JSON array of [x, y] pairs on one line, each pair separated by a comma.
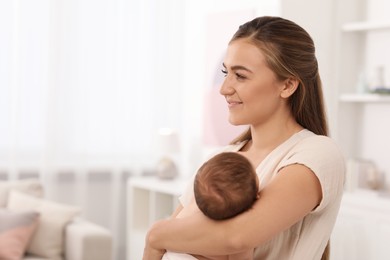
[[193, 235], [293, 193], [151, 253]]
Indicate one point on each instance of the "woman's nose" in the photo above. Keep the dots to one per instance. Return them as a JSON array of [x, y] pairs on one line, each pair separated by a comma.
[[226, 89]]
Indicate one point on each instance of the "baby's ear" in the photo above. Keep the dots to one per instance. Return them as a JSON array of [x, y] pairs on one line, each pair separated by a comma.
[[290, 86], [258, 195]]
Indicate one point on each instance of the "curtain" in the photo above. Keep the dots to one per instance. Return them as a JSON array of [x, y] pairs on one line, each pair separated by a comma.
[[85, 85], [81, 79]]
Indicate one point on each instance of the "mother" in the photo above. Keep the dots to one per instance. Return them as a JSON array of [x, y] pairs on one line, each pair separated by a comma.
[[273, 85]]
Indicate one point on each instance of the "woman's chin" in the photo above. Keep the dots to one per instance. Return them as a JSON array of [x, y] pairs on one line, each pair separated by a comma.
[[235, 122]]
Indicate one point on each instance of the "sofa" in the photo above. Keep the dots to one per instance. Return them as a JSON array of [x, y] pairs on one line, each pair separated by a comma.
[[35, 228]]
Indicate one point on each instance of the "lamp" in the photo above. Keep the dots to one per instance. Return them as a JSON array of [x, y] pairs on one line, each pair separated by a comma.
[[169, 147]]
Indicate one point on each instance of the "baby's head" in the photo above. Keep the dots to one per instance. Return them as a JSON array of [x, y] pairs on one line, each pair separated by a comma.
[[225, 186]]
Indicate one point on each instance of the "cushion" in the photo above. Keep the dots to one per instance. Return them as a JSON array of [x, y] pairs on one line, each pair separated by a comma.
[[28, 186], [16, 230], [48, 239]]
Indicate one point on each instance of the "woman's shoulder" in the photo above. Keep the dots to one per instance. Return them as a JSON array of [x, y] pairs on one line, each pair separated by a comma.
[[323, 156], [318, 152], [320, 143]]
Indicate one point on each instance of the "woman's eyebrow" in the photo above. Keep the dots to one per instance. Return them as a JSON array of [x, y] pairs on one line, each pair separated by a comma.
[[238, 67]]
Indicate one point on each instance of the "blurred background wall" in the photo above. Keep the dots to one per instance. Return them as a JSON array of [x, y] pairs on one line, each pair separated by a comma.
[[85, 85]]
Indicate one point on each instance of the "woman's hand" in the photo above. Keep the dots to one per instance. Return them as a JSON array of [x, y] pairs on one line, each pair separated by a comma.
[[151, 253]]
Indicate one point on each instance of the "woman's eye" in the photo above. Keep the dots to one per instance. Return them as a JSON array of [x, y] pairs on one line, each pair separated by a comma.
[[239, 76]]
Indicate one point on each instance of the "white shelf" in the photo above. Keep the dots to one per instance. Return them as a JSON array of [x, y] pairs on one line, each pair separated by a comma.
[[366, 26], [374, 201], [173, 187], [364, 219], [148, 199], [365, 98], [360, 116]]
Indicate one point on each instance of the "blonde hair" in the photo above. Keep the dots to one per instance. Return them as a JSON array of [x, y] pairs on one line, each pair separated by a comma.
[[289, 52]]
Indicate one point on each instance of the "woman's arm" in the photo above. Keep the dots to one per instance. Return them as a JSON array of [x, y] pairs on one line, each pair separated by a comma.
[[292, 194], [155, 253]]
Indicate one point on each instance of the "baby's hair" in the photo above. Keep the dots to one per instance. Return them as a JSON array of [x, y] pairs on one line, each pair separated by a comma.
[[225, 186]]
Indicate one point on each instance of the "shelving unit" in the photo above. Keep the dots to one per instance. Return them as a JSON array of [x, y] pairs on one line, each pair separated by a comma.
[[362, 230], [148, 199], [363, 118], [365, 98], [366, 26]]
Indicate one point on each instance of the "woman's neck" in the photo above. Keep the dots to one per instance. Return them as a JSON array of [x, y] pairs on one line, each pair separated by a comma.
[[267, 137]]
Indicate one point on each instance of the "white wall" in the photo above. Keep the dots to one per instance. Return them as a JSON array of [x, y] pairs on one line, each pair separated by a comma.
[[363, 130], [375, 143], [196, 77], [319, 19]]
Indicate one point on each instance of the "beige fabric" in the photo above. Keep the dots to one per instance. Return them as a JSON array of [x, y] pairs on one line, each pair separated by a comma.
[[84, 240], [28, 186], [29, 257], [306, 239], [177, 256], [48, 240], [87, 241]]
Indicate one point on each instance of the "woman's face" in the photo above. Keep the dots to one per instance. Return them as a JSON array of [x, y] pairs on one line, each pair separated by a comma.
[[251, 89]]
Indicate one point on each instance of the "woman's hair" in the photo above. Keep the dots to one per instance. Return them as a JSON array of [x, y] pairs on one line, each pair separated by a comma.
[[289, 52]]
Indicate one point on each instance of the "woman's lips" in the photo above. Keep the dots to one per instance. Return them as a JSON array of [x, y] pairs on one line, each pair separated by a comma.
[[232, 104]]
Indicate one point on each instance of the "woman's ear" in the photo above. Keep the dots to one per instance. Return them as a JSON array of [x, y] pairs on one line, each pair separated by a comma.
[[290, 86]]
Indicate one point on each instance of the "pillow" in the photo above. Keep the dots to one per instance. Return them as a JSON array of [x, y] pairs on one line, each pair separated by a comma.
[[16, 230], [48, 239], [28, 186]]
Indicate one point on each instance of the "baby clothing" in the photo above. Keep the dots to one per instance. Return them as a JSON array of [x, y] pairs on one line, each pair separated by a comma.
[[177, 256]]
